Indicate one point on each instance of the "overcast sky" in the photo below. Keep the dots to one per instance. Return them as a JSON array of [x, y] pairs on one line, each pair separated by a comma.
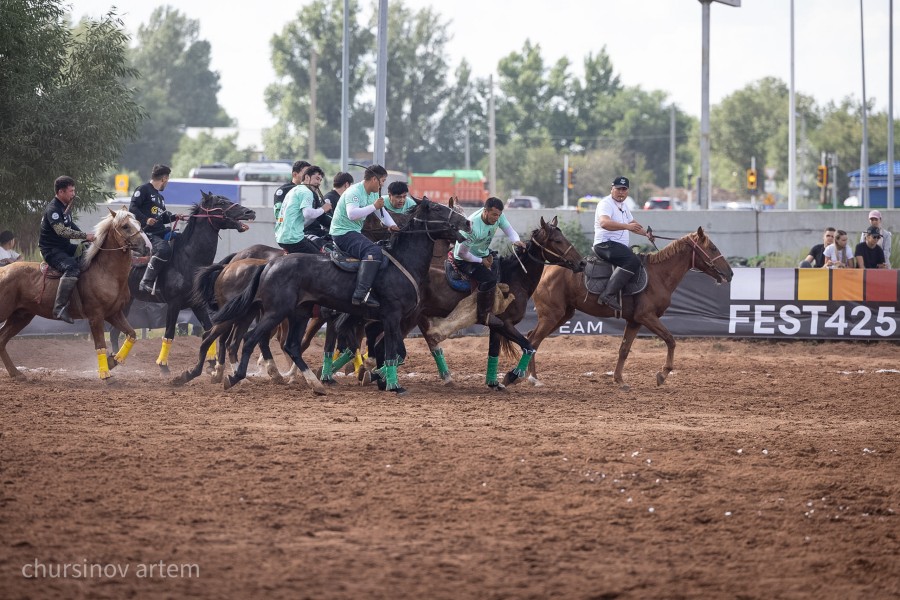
[[652, 43]]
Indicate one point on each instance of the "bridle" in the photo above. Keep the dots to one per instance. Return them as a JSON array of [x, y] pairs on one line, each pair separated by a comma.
[[707, 261], [127, 245], [447, 225], [569, 264]]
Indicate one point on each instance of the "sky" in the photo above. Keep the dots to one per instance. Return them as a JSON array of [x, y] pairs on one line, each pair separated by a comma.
[[654, 44]]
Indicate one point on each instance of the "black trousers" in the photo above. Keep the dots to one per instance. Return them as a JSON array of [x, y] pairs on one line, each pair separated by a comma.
[[63, 262], [619, 255], [161, 247], [486, 278]]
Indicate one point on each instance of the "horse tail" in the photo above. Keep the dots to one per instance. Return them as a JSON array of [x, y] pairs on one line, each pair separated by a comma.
[[227, 259], [204, 290], [508, 348], [240, 305]]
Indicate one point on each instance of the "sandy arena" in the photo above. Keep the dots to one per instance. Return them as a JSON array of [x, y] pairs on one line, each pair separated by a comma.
[[759, 470]]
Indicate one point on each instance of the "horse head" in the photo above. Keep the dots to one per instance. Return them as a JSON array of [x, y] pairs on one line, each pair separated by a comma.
[[118, 231], [707, 258], [440, 221], [555, 247], [222, 213]]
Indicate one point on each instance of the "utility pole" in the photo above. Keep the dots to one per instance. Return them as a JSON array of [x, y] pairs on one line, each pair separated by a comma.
[[672, 151], [381, 85], [864, 154], [345, 91], [312, 106], [565, 178], [492, 140]]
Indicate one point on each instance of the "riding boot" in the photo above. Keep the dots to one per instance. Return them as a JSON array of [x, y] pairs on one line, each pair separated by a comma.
[[150, 275], [616, 282], [63, 293], [368, 269], [484, 303]]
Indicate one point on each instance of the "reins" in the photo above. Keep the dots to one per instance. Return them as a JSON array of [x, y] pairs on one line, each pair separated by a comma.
[[695, 247]]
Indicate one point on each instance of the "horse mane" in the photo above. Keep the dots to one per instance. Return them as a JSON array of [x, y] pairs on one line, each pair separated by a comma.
[[101, 230], [672, 249]]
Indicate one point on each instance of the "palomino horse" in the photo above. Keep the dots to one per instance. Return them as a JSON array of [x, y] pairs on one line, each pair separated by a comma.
[[101, 294], [193, 248], [561, 293]]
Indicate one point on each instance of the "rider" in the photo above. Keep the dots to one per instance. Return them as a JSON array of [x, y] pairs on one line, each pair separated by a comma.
[[149, 208], [358, 202], [297, 172], [397, 199], [57, 228], [473, 256], [320, 225], [612, 222], [297, 212]]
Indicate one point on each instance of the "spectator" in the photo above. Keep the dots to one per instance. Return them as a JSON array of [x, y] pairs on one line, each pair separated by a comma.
[[7, 254], [838, 255], [816, 256], [884, 241], [869, 255]]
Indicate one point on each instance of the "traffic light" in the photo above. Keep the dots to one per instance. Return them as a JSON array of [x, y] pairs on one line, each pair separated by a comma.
[[822, 176], [751, 180], [559, 177], [571, 182]]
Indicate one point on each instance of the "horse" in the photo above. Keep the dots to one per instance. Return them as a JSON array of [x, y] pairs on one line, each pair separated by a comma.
[[101, 293], [561, 293], [291, 285], [195, 247], [519, 274]]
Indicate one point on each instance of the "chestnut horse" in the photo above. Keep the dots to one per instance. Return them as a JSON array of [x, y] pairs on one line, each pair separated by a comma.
[[101, 293], [561, 292]]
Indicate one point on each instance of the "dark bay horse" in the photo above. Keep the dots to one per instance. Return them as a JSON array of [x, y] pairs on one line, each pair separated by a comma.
[[520, 274], [291, 285], [561, 293], [193, 248], [101, 293]]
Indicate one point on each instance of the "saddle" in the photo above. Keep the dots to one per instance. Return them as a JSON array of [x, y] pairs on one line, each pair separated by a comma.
[[597, 273], [456, 279], [342, 260], [48, 272]]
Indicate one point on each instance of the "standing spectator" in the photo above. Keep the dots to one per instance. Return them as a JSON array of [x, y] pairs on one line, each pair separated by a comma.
[[297, 172], [884, 241], [869, 255], [838, 255], [816, 256], [7, 254]]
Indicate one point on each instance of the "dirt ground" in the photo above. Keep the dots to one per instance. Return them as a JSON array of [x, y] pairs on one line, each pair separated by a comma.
[[759, 470]]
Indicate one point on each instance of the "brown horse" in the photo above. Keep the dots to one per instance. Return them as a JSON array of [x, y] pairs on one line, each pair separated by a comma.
[[562, 292], [101, 294]]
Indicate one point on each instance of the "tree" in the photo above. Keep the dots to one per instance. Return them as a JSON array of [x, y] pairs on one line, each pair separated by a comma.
[[318, 26], [176, 87], [206, 149], [64, 106]]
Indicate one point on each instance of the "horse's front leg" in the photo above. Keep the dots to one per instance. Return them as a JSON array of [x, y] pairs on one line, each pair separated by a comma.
[[631, 331], [548, 322], [99, 336], [434, 346], [120, 323], [162, 360], [655, 325], [203, 316], [292, 348], [509, 331], [393, 349]]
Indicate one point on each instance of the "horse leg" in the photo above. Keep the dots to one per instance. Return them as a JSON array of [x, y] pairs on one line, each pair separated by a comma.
[[631, 331], [393, 352], [656, 326], [375, 349], [168, 337], [219, 370], [292, 347], [99, 335], [264, 327], [269, 362], [328, 352], [119, 323], [490, 376], [13, 325], [547, 324], [203, 316], [209, 339], [434, 346], [509, 331], [114, 332]]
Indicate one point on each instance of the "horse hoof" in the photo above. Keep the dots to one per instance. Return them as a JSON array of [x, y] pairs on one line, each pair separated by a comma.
[[497, 387], [164, 369], [180, 380], [510, 379], [535, 381], [229, 381], [625, 387], [400, 391], [448, 381], [111, 362], [660, 378]]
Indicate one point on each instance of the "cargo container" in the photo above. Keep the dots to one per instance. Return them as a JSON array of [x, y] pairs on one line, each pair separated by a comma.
[[467, 185]]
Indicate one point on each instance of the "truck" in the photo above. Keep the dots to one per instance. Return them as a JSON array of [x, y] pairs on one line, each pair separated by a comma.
[[468, 185]]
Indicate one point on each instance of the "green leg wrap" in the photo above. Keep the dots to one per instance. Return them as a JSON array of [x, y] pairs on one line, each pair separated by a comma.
[[520, 369], [390, 374], [326, 367], [345, 357], [491, 377], [438, 355]]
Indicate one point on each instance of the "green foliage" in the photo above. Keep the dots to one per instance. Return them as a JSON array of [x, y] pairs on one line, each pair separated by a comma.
[[176, 87], [206, 149], [571, 228], [64, 106]]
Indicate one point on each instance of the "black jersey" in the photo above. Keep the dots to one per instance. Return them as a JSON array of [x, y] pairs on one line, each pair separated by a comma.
[[57, 228], [146, 203], [280, 194]]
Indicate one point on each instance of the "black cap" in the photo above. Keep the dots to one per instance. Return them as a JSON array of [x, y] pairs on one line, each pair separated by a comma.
[[873, 231], [620, 182]]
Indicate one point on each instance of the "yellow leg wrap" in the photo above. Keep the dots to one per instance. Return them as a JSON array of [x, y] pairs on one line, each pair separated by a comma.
[[163, 358], [122, 354], [357, 362], [103, 364], [336, 355], [211, 353]]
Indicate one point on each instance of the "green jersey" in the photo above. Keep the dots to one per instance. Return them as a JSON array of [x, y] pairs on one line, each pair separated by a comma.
[[407, 206], [479, 240], [355, 196], [289, 225]]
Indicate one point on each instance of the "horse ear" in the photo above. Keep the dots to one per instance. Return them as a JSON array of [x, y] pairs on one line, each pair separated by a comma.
[[543, 224], [452, 201], [111, 211], [700, 234], [555, 221]]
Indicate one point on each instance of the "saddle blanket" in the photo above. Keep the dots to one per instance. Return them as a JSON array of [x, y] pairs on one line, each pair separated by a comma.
[[597, 273]]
